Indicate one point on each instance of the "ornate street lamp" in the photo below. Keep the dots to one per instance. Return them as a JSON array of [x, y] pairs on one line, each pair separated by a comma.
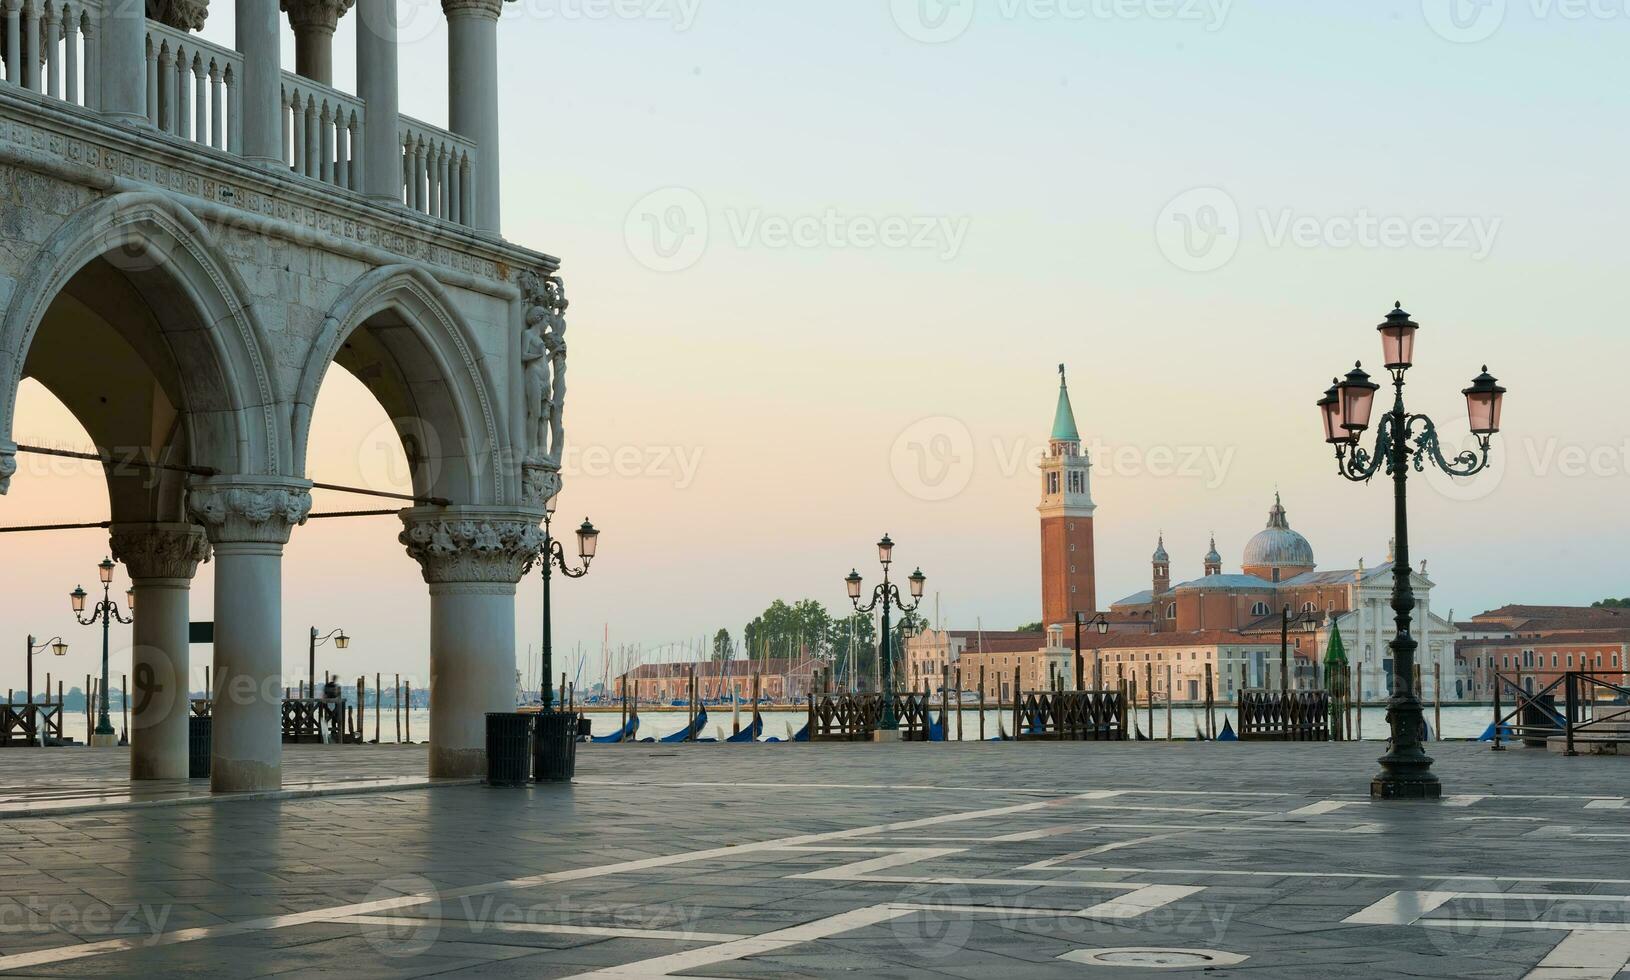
[[552, 553], [1402, 441], [106, 612], [883, 595], [341, 641]]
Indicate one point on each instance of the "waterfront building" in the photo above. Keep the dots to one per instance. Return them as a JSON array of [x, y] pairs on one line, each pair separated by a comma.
[[779, 680]]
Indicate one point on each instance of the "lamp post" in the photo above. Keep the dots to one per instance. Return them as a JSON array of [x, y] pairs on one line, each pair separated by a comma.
[[1403, 440], [1309, 622], [341, 641], [1102, 625], [553, 553], [58, 647], [106, 612], [883, 595]]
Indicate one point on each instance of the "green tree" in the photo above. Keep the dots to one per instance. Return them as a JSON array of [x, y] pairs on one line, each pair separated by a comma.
[[1611, 604], [1029, 627], [722, 648]]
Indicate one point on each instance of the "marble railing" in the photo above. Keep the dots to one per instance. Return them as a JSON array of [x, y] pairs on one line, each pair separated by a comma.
[[65, 34], [322, 131], [193, 94], [192, 88], [438, 172]]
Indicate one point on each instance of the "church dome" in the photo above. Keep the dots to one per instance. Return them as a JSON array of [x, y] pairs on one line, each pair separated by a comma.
[[1212, 558], [1160, 550], [1277, 546]]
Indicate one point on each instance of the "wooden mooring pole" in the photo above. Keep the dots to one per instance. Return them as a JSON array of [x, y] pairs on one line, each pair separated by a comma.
[[981, 702], [396, 703]]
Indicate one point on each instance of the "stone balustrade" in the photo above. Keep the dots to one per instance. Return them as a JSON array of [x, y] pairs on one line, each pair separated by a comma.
[[438, 172], [65, 34], [192, 88], [101, 57], [322, 132]]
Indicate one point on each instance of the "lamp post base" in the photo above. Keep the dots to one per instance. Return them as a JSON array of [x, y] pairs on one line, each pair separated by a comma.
[[1388, 786], [104, 741]]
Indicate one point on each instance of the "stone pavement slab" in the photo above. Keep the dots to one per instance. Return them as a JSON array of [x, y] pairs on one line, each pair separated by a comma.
[[908, 860]]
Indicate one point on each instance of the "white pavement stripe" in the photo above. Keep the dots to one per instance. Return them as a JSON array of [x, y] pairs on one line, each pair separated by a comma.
[[1323, 806], [1585, 956], [695, 959], [548, 928], [1400, 908], [1464, 799], [1134, 904], [860, 869]]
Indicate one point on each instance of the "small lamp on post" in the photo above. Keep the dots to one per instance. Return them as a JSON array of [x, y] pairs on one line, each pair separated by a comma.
[[106, 612], [552, 554], [58, 648], [1099, 623], [341, 642]]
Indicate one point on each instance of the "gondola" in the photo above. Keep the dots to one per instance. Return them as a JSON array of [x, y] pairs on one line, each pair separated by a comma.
[[688, 734], [623, 734]]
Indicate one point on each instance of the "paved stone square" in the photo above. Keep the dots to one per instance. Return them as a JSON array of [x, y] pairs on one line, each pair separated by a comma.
[[905, 860]]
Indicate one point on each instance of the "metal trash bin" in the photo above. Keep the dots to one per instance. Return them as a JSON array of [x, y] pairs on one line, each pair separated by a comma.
[[1540, 712], [554, 754], [509, 736], [198, 739]]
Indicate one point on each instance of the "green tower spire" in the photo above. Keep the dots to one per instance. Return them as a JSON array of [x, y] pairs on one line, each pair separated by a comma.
[[1064, 417]]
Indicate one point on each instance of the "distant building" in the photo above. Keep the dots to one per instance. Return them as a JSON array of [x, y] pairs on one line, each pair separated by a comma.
[[780, 679], [1533, 662]]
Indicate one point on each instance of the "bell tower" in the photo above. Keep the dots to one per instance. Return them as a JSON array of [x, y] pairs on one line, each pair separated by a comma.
[[1067, 570]]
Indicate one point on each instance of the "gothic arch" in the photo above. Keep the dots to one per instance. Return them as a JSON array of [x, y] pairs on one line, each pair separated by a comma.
[[402, 336], [210, 346]]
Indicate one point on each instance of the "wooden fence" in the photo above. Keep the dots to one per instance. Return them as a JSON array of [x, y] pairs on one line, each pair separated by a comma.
[[1284, 716]]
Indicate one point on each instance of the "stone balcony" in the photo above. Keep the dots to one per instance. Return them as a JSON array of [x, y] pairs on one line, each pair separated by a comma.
[[193, 141]]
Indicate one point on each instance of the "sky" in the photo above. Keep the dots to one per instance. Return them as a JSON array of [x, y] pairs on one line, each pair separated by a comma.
[[824, 260]]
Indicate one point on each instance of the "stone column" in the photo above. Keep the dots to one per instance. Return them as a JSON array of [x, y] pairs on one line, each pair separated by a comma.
[[161, 559], [381, 150], [248, 520], [472, 558], [472, 94], [314, 22], [122, 74], [262, 82]]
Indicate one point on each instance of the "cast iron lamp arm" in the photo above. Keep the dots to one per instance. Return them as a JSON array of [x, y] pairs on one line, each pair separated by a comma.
[[1427, 446]]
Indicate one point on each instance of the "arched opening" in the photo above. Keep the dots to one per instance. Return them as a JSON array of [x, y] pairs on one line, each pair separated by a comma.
[[47, 565], [396, 332], [129, 319], [335, 563]]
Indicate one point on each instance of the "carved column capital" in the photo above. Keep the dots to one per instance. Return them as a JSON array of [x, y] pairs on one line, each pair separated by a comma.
[[472, 545], [183, 15], [159, 551], [249, 510], [473, 8], [321, 15], [8, 465]]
